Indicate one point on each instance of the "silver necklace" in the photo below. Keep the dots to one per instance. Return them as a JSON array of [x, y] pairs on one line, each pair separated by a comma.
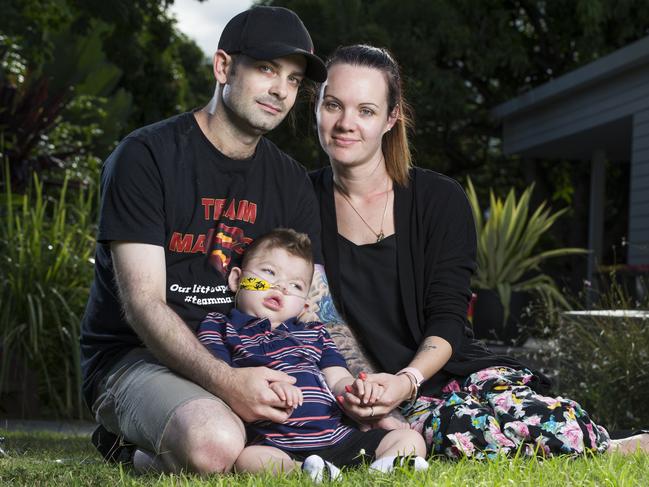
[[379, 236]]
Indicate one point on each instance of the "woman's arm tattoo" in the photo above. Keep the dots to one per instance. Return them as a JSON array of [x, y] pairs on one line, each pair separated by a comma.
[[427, 345], [321, 308]]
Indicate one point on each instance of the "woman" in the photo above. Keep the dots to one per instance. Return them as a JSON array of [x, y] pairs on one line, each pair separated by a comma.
[[400, 245]]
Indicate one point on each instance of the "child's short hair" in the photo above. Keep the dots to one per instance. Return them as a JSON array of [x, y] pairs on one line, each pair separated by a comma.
[[295, 243]]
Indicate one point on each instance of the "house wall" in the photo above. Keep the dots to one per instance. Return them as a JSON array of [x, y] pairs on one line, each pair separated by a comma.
[[598, 116], [638, 252], [582, 110]]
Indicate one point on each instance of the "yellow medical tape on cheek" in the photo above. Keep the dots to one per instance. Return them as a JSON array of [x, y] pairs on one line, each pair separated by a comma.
[[251, 283]]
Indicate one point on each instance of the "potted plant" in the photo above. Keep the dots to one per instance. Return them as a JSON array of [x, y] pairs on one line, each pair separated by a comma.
[[508, 274]]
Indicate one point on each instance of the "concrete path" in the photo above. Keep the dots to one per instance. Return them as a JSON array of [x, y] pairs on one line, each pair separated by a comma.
[[76, 428]]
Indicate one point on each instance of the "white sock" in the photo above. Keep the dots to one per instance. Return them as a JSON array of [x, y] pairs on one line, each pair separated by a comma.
[[321, 471], [388, 464]]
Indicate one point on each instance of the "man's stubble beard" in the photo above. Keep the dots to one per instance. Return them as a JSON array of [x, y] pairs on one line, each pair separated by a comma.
[[247, 116]]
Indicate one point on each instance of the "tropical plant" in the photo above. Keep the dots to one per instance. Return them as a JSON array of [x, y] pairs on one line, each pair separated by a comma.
[[55, 115], [508, 240], [46, 247]]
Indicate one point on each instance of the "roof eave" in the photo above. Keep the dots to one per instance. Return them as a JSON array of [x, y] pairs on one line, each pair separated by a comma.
[[594, 72]]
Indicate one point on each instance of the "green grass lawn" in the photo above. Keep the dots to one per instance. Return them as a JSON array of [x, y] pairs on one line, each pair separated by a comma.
[[53, 459]]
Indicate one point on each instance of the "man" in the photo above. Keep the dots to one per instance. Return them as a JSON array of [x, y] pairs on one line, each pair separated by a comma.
[[181, 200]]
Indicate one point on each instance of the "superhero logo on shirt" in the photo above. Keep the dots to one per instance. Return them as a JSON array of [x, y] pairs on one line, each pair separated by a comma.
[[227, 241], [223, 243]]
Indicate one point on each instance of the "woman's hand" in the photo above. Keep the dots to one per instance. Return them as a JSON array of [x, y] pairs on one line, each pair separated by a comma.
[[359, 399], [397, 389], [363, 392], [363, 405]]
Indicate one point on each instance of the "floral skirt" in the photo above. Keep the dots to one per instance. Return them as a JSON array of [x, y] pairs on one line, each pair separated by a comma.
[[495, 412]]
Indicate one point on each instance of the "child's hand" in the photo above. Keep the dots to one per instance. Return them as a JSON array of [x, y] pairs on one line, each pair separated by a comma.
[[363, 392], [291, 395]]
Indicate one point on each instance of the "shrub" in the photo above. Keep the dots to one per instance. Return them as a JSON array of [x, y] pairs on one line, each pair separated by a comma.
[[46, 250], [605, 362]]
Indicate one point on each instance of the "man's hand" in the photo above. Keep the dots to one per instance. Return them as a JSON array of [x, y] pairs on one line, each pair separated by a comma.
[[291, 395], [250, 395]]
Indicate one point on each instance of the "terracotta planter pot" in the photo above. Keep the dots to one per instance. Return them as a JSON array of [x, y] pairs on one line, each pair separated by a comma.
[[488, 318]]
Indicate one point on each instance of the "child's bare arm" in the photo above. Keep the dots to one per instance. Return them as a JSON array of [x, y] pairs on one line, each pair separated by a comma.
[[288, 393], [337, 378]]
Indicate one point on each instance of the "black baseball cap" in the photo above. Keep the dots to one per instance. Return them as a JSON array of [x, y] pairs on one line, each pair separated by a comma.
[[269, 33]]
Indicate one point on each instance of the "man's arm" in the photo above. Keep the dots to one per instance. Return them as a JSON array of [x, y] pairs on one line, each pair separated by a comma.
[[140, 273], [321, 308]]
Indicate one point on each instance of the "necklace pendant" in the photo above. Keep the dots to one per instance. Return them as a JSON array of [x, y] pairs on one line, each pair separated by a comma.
[[380, 236]]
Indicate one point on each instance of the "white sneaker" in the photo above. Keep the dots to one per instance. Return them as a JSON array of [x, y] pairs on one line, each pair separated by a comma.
[[320, 470], [388, 464]]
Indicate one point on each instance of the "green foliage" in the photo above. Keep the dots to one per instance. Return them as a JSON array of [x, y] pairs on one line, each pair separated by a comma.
[[605, 361], [163, 70], [46, 247], [76, 76], [57, 114], [508, 257], [31, 23]]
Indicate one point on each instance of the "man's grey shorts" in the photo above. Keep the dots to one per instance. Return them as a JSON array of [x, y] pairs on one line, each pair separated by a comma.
[[138, 397]]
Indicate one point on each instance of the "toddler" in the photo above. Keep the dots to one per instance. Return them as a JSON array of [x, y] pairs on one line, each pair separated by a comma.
[[263, 330]]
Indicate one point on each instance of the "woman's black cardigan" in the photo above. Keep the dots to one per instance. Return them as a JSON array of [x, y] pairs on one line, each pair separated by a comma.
[[436, 246]]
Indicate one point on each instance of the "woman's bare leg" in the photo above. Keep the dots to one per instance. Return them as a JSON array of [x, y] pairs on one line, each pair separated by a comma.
[[630, 444]]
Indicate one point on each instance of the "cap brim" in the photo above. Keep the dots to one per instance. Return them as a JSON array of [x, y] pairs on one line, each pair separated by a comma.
[[315, 68]]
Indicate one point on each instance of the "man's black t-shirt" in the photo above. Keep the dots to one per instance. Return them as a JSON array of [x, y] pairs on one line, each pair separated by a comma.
[[167, 185]]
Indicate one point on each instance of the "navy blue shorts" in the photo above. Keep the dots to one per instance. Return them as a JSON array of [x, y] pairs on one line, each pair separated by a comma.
[[357, 448]]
